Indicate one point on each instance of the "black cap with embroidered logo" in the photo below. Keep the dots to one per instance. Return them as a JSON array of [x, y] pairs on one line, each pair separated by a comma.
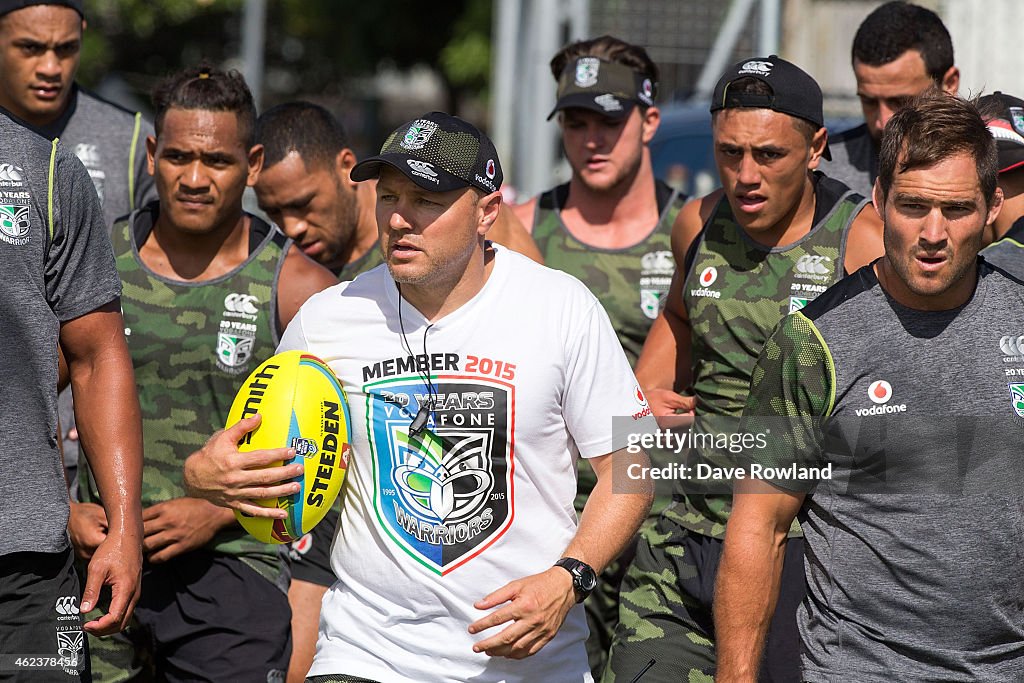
[[608, 88], [793, 91], [1005, 119], [8, 6], [439, 152]]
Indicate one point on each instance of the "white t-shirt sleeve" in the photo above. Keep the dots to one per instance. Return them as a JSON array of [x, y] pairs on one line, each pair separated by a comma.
[[600, 386], [294, 338]]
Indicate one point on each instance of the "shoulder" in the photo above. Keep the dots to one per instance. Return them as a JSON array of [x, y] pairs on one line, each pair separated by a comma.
[[18, 139], [691, 219], [299, 267], [540, 284], [841, 294], [1002, 265], [91, 102], [864, 243], [525, 212], [851, 136]]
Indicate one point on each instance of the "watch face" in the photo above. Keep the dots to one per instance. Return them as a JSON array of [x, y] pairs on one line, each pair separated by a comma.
[[588, 581]]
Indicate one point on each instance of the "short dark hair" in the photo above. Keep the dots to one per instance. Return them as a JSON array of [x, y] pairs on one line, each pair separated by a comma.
[[749, 85], [610, 49], [896, 27], [302, 127], [208, 89], [932, 128]]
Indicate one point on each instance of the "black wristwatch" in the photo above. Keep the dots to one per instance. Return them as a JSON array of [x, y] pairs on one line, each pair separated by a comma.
[[584, 580]]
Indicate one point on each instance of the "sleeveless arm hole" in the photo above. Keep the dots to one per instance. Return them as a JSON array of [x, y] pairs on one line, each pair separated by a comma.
[[131, 160], [284, 243]]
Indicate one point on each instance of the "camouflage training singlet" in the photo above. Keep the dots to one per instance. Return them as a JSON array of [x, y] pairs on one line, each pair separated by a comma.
[[192, 346], [368, 261], [631, 283], [735, 292]]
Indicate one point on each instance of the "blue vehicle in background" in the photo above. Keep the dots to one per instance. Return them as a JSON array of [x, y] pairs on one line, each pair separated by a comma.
[[682, 153]]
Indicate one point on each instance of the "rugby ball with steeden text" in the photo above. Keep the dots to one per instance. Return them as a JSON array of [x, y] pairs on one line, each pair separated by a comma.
[[303, 407]]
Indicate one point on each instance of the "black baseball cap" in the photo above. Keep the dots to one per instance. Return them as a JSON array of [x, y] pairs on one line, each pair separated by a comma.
[[8, 6], [794, 91], [609, 88], [439, 152], [1007, 127]]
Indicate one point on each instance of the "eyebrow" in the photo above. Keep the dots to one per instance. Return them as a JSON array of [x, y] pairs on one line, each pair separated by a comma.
[[298, 202], [967, 203]]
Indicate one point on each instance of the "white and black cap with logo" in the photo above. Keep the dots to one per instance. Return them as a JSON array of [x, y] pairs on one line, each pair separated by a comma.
[[1005, 119], [439, 152], [608, 88]]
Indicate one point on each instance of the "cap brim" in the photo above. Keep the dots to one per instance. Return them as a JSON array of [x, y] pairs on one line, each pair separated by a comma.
[[582, 100], [426, 175], [1011, 156]]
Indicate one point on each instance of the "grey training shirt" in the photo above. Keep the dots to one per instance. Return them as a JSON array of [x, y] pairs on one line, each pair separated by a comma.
[[57, 265], [913, 555]]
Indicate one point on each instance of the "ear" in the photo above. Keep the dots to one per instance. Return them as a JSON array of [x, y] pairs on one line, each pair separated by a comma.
[[490, 209], [996, 207], [951, 80], [818, 143], [255, 159], [343, 164], [651, 121], [878, 199], [151, 154]]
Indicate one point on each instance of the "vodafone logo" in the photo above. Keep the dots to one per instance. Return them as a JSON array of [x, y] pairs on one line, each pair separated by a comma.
[[706, 279], [490, 171], [880, 391], [638, 394]]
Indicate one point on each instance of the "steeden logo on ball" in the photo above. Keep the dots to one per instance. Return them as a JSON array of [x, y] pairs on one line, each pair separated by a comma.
[[303, 406]]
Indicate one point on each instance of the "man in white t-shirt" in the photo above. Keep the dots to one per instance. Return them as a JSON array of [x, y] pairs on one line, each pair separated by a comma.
[[475, 380]]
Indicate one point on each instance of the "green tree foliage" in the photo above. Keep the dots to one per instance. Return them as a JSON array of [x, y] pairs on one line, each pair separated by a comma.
[[316, 46]]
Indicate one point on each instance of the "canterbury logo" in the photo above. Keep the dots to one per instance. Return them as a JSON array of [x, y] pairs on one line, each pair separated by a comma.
[[1012, 346], [421, 167], [67, 605], [809, 264], [241, 303]]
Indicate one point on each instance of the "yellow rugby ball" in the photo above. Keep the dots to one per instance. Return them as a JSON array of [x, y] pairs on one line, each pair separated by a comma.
[[303, 407]]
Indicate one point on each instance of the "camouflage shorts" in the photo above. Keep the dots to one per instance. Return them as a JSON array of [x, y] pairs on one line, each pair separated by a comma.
[[665, 612]]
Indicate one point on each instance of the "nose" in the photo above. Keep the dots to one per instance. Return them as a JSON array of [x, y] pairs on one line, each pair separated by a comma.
[[48, 65], [934, 230], [595, 137], [397, 220], [749, 173], [884, 113], [194, 177], [294, 227]]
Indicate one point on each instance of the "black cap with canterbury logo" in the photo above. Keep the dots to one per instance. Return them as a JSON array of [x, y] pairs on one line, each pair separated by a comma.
[[439, 152], [793, 90], [608, 88], [8, 6]]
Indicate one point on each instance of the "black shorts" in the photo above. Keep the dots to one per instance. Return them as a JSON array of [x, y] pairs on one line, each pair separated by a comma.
[[41, 636], [311, 554], [201, 617]]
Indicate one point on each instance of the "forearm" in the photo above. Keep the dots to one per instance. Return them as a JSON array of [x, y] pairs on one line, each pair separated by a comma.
[[109, 426], [610, 518], [746, 590]]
